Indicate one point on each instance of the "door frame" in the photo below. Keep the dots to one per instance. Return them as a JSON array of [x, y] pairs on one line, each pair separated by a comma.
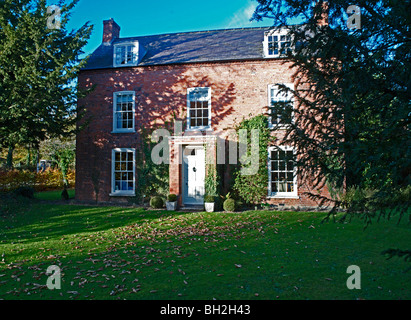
[[184, 164]]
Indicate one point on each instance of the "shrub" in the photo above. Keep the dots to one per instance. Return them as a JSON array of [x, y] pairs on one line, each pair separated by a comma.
[[172, 197], [12, 179], [404, 195], [52, 180], [209, 198], [229, 205], [356, 198], [27, 192], [212, 183], [42, 181], [156, 202]]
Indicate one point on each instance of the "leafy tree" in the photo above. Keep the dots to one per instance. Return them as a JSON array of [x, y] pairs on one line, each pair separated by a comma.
[[38, 68], [21, 156], [62, 153], [352, 119]]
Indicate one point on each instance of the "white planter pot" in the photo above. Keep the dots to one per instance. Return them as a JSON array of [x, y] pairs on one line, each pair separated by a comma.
[[171, 206], [209, 206]]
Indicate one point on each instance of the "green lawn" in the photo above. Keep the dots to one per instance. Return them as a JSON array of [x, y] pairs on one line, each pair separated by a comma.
[[53, 195], [129, 253]]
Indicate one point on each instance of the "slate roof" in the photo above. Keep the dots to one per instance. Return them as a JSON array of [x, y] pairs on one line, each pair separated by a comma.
[[189, 47]]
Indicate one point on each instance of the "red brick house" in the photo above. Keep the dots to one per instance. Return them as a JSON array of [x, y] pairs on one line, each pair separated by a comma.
[[208, 81]]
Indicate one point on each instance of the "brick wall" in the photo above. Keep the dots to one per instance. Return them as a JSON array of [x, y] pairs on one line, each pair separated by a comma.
[[111, 30], [238, 90]]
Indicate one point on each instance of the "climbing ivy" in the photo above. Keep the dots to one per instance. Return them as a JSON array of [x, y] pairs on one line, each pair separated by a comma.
[[151, 178], [212, 177], [253, 188]]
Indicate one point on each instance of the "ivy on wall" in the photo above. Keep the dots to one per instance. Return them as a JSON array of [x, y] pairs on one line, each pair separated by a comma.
[[253, 188], [212, 176], [151, 178]]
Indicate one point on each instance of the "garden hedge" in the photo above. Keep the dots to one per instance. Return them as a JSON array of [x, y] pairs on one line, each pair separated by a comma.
[[42, 181]]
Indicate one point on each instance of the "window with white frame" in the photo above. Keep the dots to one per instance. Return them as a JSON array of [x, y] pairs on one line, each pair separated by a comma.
[[199, 108], [123, 111], [277, 43], [280, 105], [125, 54], [123, 171], [282, 173]]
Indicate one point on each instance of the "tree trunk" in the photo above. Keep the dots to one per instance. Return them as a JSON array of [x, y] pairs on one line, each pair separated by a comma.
[[28, 157], [37, 159], [9, 161]]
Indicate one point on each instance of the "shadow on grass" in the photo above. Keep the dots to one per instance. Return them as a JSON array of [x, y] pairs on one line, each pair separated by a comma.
[[250, 255], [38, 221]]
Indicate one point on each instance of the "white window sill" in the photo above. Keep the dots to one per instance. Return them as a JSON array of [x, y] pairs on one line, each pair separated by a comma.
[[291, 196], [276, 56], [122, 194], [267, 56], [125, 65]]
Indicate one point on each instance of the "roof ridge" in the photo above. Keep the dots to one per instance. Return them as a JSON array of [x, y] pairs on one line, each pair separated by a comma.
[[194, 32]]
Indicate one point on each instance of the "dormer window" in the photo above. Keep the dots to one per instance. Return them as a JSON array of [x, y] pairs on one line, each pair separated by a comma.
[[125, 54], [277, 43]]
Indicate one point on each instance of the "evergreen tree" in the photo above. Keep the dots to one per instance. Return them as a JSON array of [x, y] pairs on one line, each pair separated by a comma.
[[39, 63], [352, 120]]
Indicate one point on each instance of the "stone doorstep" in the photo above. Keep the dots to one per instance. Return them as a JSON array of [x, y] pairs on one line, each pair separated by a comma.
[[191, 208]]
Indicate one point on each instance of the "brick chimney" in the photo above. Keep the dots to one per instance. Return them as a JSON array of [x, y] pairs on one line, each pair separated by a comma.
[[111, 30], [323, 12]]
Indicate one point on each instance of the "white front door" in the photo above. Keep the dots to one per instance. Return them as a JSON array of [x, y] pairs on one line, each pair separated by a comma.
[[194, 175]]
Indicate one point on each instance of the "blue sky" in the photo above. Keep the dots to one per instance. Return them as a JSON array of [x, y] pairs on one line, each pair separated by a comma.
[[139, 17]]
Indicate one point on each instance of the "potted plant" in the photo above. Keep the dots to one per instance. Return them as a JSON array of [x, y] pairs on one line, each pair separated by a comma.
[[171, 203], [209, 203]]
